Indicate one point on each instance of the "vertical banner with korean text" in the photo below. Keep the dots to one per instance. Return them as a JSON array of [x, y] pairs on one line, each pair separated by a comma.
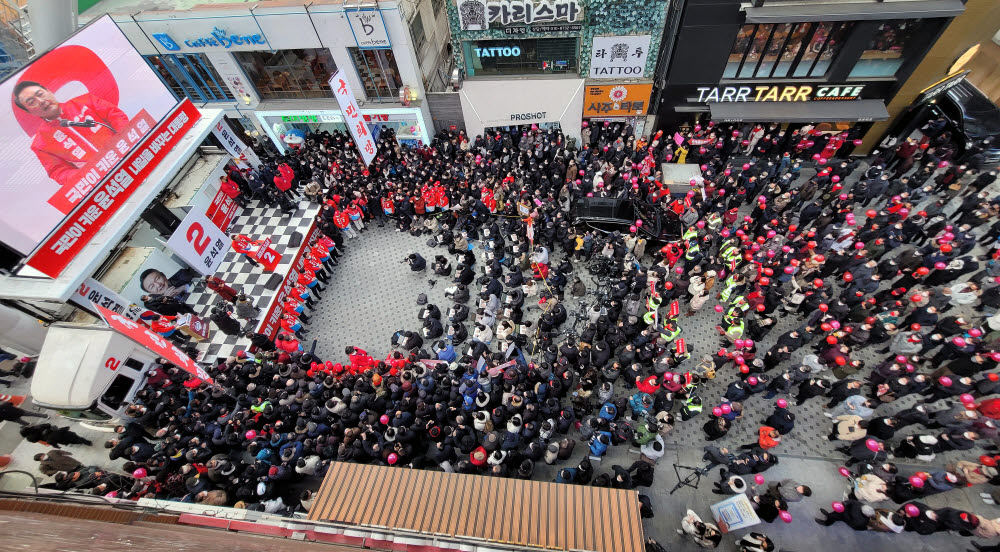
[[244, 157], [352, 116]]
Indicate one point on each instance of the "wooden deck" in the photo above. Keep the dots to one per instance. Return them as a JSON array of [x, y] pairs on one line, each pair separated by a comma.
[[528, 514]]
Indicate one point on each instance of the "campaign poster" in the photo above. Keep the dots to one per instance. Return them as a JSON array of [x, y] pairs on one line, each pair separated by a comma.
[[70, 117], [159, 274]]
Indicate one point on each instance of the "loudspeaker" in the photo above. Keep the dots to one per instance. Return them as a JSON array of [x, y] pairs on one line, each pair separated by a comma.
[[295, 240], [274, 282]]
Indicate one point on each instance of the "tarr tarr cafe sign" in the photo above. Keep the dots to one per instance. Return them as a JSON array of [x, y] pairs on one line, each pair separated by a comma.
[[778, 93]]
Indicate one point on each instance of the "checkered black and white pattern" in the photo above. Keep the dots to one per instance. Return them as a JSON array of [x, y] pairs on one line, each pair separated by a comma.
[[258, 221]]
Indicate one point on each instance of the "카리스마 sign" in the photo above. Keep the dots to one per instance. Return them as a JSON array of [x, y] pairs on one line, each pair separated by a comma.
[[478, 15], [616, 100]]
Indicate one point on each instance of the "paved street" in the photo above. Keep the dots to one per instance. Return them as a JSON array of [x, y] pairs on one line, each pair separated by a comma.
[[372, 294]]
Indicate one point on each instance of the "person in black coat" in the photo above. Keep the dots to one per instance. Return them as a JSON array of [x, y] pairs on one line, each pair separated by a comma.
[[856, 515], [782, 420]]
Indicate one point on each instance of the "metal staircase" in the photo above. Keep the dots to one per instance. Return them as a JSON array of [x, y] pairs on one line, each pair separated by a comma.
[[16, 47]]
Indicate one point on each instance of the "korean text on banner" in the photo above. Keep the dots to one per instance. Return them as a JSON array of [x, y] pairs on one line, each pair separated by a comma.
[[92, 291], [200, 243], [244, 157], [96, 210], [352, 116], [154, 342], [271, 321]]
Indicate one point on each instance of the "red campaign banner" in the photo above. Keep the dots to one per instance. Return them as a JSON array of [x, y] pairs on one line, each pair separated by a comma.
[[70, 195], [681, 346], [94, 212], [675, 309], [271, 320], [222, 211], [154, 342]]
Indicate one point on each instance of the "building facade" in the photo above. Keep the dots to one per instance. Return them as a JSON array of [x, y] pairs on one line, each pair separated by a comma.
[[268, 65], [555, 63], [831, 65]]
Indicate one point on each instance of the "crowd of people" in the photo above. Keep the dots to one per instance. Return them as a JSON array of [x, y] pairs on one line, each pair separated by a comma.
[[509, 382]]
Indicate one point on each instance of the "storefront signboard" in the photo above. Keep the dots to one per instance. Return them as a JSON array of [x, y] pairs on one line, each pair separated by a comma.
[[525, 29], [478, 15], [779, 93], [621, 100], [218, 38], [352, 116], [200, 243], [368, 28], [618, 57]]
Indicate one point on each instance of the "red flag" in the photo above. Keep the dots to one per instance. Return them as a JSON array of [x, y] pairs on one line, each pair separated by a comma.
[[681, 347], [154, 342], [675, 309]]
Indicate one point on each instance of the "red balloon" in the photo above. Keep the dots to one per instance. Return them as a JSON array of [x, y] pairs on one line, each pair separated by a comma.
[[823, 307], [744, 369], [923, 271], [833, 341], [916, 298], [825, 327], [818, 282], [946, 248], [848, 277]]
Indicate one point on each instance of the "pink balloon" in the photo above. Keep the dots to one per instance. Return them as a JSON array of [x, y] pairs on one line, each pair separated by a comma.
[[939, 265], [872, 445], [959, 341], [638, 223], [859, 245], [679, 270], [945, 381], [717, 411], [739, 343], [251, 435], [822, 160], [392, 458], [858, 142], [726, 233], [789, 270], [384, 419], [975, 332], [752, 380], [966, 398], [758, 479], [834, 324], [900, 358], [995, 356], [782, 403], [770, 254], [700, 224], [844, 471], [837, 506], [785, 516], [835, 178], [916, 481], [139, 473], [740, 360], [718, 308], [942, 164], [726, 409], [912, 510], [771, 234], [748, 343], [584, 124]]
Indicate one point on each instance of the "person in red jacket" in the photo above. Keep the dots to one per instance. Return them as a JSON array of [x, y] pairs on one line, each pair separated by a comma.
[[343, 221], [308, 279], [649, 385], [232, 191], [301, 293], [63, 151]]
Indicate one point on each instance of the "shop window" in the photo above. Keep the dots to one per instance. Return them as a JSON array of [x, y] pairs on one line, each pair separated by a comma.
[[117, 392], [192, 76], [378, 73], [418, 34], [289, 74], [889, 48], [521, 57], [785, 49]]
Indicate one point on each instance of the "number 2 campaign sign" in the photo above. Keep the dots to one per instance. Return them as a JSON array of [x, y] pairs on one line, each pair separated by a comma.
[[200, 243]]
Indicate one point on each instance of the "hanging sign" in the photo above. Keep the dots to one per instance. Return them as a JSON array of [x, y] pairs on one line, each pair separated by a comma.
[[368, 28], [352, 116], [619, 57]]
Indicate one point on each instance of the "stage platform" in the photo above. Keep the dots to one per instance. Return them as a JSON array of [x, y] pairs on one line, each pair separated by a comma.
[[258, 221]]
